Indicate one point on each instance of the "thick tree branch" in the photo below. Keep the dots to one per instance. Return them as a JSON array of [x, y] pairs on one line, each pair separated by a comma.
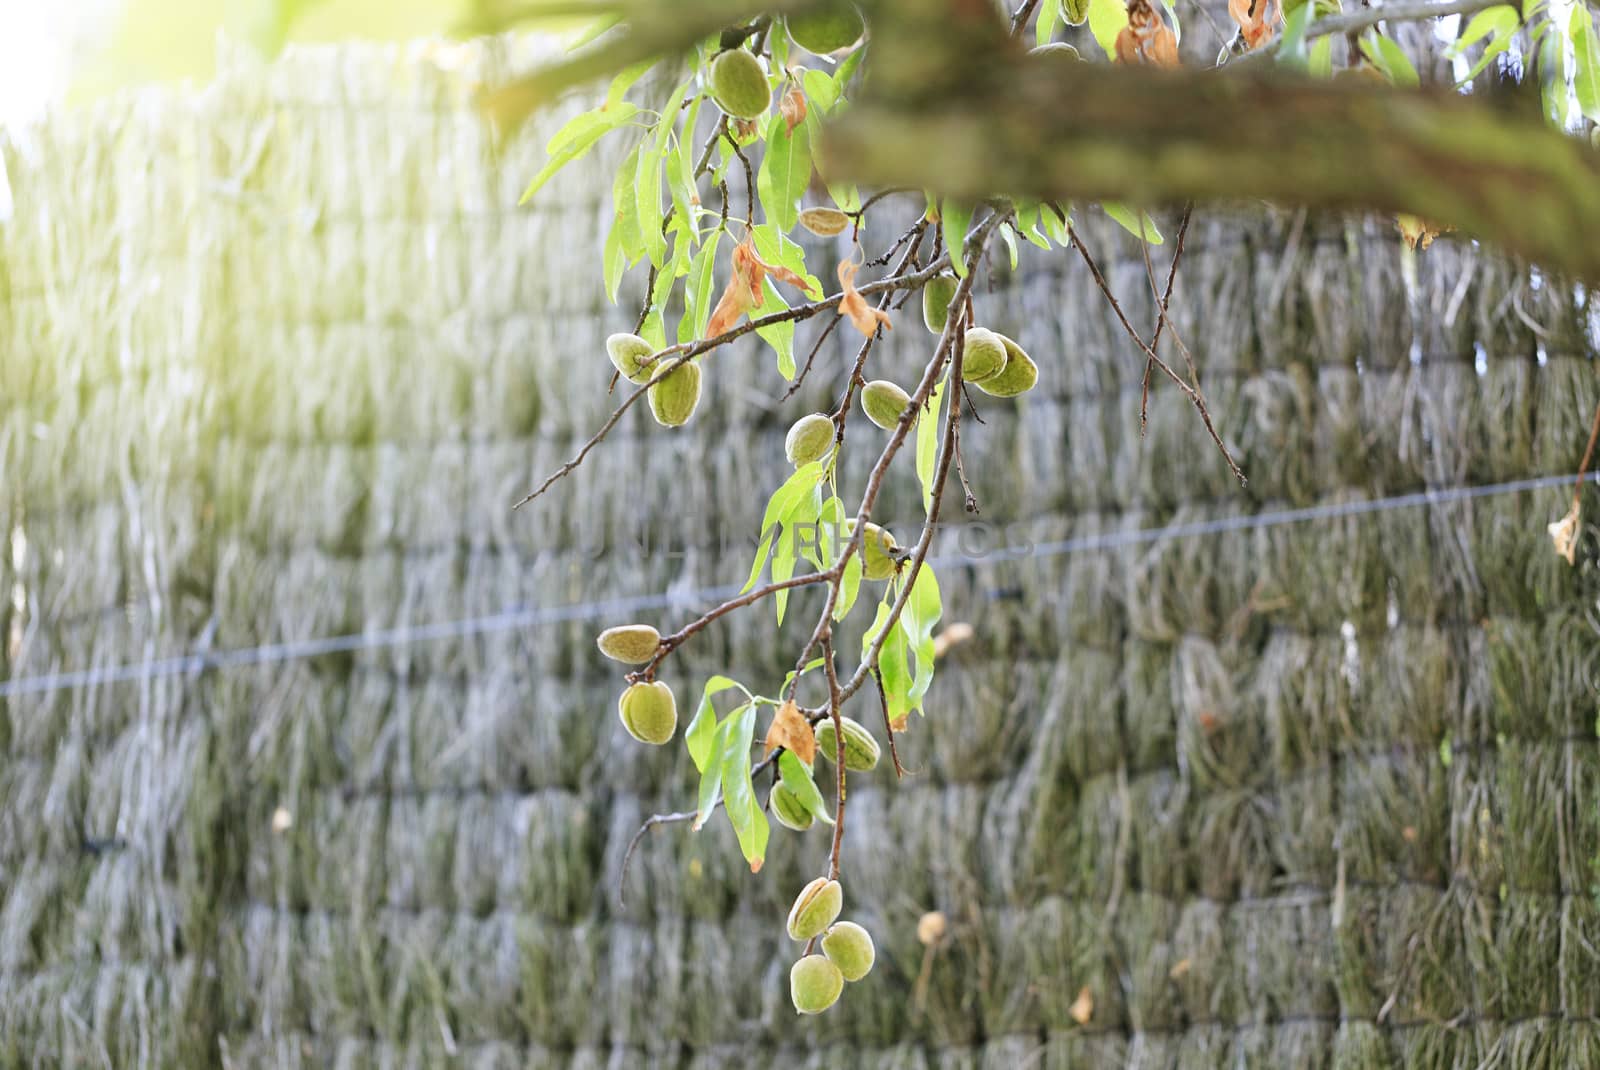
[[1142, 136]]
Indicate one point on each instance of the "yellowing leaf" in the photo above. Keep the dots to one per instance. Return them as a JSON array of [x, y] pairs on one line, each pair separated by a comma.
[[863, 317], [792, 731]]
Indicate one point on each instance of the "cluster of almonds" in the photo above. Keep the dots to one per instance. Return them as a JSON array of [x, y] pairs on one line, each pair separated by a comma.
[[815, 981], [738, 80], [649, 711], [673, 399], [860, 756], [992, 362]]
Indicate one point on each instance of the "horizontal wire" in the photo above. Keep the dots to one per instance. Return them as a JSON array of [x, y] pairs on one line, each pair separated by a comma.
[[533, 616]]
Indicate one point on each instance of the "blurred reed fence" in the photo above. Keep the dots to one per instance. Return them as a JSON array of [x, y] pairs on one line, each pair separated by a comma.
[[278, 357]]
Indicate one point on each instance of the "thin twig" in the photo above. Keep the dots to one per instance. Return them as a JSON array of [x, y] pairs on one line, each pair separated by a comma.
[[1164, 302], [816, 347], [888, 727], [749, 175], [1588, 455], [650, 822], [1193, 395], [834, 702], [1020, 20], [908, 280]]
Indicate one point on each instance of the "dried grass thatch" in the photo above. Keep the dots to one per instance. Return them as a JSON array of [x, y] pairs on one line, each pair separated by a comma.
[[1313, 795]]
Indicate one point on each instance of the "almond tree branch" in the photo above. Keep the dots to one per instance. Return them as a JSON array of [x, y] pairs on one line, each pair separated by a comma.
[[1194, 396], [1477, 161], [1166, 301], [685, 352], [835, 701]]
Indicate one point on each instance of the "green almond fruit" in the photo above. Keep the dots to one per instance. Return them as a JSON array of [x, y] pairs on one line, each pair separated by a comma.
[[809, 439], [649, 712], [983, 355], [630, 354], [814, 984], [877, 551], [860, 749], [815, 908], [821, 32], [936, 298], [877, 554], [849, 947], [1058, 50], [1017, 377], [739, 84], [631, 644], [788, 809], [884, 403], [674, 398]]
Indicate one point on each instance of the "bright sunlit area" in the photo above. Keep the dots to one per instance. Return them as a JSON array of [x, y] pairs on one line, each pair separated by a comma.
[[864, 534]]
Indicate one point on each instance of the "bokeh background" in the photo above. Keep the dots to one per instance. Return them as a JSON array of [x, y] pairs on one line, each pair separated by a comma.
[[307, 757]]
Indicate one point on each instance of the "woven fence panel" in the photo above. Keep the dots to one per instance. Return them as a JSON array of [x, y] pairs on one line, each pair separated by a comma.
[[277, 358]]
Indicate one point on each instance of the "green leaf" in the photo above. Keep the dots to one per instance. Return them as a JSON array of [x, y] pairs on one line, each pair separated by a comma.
[[1008, 236], [697, 295], [574, 140], [780, 335], [1586, 53], [1498, 20], [647, 188], [928, 444], [842, 76], [1106, 20], [779, 507], [1140, 225], [785, 172], [711, 776], [625, 80], [744, 812], [798, 521], [1049, 19], [917, 620], [1027, 216], [774, 248], [1390, 59], [1291, 52], [592, 31], [626, 203], [1553, 63], [849, 587], [702, 730], [891, 660], [1321, 62], [614, 262], [796, 776], [821, 93], [953, 221]]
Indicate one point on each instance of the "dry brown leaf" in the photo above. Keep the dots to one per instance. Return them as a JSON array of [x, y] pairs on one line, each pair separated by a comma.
[[1564, 533], [1179, 969], [1147, 38], [1418, 232], [863, 317], [791, 730], [1258, 20], [793, 108], [1082, 1008], [958, 632], [743, 291]]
